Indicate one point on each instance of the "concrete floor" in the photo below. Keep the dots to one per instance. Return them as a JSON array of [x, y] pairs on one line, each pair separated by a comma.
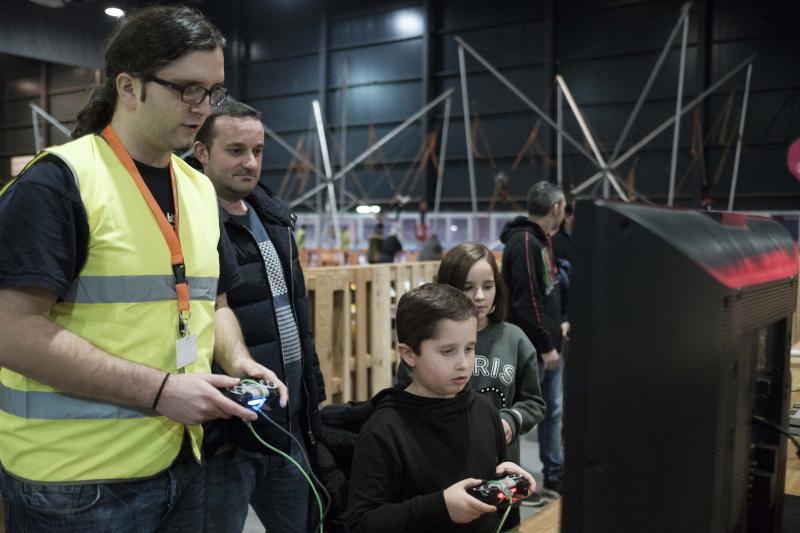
[[530, 461]]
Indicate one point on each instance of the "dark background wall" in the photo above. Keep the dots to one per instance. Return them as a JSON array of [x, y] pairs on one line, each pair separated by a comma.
[[285, 53]]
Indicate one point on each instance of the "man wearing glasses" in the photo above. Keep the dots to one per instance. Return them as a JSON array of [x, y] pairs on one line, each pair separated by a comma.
[[113, 282]]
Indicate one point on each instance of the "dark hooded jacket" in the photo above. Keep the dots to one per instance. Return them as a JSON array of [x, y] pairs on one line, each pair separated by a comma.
[[412, 449], [251, 301], [535, 293]]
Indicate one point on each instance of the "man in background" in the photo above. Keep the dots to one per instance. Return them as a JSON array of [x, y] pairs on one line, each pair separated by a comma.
[[530, 271], [273, 309]]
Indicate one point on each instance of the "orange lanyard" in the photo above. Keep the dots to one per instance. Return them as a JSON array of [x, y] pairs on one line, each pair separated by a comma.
[[171, 236]]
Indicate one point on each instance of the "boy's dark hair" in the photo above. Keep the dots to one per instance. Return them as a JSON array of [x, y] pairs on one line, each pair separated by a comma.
[[144, 41], [455, 266], [421, 309], [229, 108], [542, 196]]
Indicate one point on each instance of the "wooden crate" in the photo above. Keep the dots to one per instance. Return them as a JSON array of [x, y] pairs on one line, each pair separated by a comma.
[[352, 313]]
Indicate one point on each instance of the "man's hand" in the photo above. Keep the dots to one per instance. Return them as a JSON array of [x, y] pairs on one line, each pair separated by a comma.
[[195, 398], [551, 359], [507, 431], [462, 507], [233, 356], [565, 329], [508, 467], [248, 368]]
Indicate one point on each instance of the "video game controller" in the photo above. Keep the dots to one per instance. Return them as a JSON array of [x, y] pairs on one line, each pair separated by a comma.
[[495, 491], [253, 394]]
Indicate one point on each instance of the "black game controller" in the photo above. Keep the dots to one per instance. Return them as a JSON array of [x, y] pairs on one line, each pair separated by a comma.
[[253, 394], [495, 491]]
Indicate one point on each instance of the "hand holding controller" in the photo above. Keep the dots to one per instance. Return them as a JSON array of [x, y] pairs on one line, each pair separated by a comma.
[[496, 491], [253, 394]]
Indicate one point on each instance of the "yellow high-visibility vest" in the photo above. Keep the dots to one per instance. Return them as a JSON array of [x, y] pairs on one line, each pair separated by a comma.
[[124, 302]]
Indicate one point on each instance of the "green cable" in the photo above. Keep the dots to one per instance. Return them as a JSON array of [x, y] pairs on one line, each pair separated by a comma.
[[505, 515], [310, 484]]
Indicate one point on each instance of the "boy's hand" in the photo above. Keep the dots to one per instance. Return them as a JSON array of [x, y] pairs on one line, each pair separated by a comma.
[[513, 468], [462, 507], [507, 430]]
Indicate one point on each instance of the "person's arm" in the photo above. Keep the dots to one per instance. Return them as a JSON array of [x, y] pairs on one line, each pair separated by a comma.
[[527, 407], [566, 298], [566, 294], [36, 347], [231, 353], [375, 505]]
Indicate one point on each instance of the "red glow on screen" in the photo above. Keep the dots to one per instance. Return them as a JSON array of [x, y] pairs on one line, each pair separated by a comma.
[[771, 266]]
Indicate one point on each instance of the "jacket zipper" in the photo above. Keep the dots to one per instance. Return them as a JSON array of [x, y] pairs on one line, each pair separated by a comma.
[[280, 347], [310, 433]]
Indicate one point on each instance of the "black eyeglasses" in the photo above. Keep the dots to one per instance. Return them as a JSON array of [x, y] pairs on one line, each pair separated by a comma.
[[194, 93]]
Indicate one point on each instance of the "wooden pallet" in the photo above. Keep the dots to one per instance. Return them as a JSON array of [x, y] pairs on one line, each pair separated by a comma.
[[352, 313]]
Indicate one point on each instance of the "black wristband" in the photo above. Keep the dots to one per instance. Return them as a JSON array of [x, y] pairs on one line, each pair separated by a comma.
[[160, 390]]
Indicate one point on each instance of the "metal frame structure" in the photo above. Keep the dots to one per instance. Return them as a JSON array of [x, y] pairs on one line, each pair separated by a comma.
[[680, 110], [606, 168], [735, 176], [442, 154], [37, 112], [383, 140], [596, 159], [673, 166], [343, 125], [527, 101], [468, 135], [601, 162], [559, 137], [327, 177], [666, 124], [326, 162]]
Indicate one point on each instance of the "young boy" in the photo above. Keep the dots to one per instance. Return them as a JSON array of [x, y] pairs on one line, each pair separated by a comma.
[[426, 445]]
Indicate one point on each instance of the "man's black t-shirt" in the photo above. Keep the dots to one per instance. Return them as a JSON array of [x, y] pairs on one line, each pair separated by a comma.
[[44, 230]]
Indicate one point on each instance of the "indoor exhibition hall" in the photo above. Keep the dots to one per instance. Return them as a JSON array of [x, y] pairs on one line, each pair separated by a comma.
[[399, 266]]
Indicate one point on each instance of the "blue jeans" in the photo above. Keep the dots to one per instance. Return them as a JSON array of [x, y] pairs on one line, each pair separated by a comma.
[[549, 429], [168, 502], [274, 487]]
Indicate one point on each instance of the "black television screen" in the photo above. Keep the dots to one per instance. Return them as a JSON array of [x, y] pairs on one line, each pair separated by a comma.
[[681, 333]]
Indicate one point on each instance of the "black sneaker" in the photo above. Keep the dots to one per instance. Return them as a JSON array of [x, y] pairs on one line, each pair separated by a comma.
[[534, 500], [554, 484]]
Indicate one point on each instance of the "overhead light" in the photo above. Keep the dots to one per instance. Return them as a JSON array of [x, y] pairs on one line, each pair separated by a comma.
[[367, 209], [408, 22], [453, 227], [114, 12]]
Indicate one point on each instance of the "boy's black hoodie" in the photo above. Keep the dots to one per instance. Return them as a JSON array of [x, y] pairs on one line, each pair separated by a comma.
[[411, 450]]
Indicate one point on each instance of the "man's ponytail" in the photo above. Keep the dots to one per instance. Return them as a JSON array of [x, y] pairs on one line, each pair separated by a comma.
[[97, 112]]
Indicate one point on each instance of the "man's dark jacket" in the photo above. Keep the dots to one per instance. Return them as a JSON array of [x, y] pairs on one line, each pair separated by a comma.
[[535, 304], [251, 301]]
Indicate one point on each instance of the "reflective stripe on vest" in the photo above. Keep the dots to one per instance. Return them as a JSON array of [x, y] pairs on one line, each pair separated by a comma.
[[124, 303], [130, 289], [60, 406]]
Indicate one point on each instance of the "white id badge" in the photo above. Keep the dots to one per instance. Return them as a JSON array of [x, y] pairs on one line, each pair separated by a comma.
[[186, 350]]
